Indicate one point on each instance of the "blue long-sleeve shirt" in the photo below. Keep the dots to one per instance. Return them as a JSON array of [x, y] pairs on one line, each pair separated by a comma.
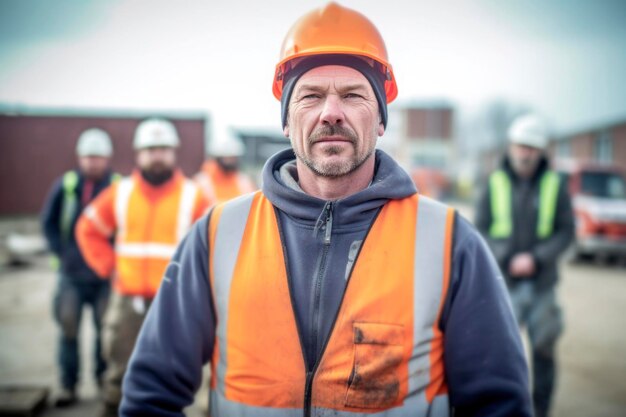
[[486, 372]]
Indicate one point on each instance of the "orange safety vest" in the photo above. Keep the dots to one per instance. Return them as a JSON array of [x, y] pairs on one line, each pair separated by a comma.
[[384, 355], [219, 186], [148, 223]]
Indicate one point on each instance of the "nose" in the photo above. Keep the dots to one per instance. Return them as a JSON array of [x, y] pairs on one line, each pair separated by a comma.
[[332, 113], [157, 152]]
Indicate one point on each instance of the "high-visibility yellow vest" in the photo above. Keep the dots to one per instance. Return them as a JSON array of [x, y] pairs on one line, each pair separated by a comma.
[[70, 201], [384, 355], [500, 190], [69, 207]]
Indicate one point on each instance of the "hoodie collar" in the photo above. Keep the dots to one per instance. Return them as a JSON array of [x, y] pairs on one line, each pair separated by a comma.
[[280, 186]]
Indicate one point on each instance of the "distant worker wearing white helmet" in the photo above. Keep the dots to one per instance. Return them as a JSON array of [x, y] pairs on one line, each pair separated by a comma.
[[220, 178], [147, 215], [78, 285], [526, 216]]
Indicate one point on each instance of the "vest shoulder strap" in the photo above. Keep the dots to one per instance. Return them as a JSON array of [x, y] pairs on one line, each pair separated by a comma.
[[70, 202], [548, 201], [500, 189], [500, 196], [70, 181]]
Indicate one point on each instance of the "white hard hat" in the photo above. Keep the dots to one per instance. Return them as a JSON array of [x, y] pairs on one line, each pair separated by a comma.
[[529, 130], [94, 142], [226, 144], [155, 132]]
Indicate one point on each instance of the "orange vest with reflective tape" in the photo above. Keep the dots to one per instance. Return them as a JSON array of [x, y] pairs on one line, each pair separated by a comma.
[[149, 227], [385, 351], [148, 223], [219, 186]]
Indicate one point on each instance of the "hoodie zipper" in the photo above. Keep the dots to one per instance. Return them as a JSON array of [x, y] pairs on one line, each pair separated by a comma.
[[308, 388], [317, 294], [319, 278], [329, 223], [310, 373]]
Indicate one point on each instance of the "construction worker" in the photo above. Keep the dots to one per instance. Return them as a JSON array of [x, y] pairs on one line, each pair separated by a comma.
[[526, 216], [147, 214], [220, 178], [78, 285], [336, 289]]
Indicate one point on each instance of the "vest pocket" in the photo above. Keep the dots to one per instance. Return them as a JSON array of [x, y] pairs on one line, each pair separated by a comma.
[[378, 351]]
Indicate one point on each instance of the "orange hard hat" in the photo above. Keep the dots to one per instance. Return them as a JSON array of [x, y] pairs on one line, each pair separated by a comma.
[[334, 29]]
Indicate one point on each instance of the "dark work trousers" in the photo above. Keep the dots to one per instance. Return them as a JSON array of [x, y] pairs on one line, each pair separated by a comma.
[[538, 310], [122, 323], [69, 301]]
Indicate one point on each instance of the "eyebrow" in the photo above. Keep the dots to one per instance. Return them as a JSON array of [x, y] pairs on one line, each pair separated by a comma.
[[318, 89]]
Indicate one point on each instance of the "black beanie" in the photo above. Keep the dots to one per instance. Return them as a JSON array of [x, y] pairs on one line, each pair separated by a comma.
[[373, 74]]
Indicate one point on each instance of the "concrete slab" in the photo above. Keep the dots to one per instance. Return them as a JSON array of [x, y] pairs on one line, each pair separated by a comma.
[[23, 401]]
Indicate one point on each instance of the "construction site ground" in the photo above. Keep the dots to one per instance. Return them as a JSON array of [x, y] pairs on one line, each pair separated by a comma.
[[591, 353]]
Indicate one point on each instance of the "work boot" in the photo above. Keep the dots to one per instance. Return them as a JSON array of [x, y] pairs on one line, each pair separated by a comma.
[[100, 386], [109, 410], [100, 382], [66, 397]]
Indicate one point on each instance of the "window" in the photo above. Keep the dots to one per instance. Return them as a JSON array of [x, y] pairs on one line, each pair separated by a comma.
[[603, 147], [564, 149], [604, 184]]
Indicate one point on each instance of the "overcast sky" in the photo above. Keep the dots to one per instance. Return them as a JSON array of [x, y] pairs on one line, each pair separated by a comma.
[[565, 58]]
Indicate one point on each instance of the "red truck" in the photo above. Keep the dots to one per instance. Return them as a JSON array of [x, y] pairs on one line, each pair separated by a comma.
[[599, 200]]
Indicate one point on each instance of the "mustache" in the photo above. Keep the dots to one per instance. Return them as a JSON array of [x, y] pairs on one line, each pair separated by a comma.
[[158, 166], [332, 130]]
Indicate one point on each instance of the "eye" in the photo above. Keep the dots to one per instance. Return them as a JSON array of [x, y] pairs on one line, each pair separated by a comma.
[[352, 95], [311, 96]]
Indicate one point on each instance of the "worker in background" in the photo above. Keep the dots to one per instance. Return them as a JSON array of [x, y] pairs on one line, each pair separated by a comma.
[[78, 285], [336, 289], [220, 178], [526, 216], [147, 214]]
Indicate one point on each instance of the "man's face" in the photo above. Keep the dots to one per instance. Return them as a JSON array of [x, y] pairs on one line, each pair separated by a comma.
[[228, 163], [93, 167], [157, 160], [524, 159], [333, 120]]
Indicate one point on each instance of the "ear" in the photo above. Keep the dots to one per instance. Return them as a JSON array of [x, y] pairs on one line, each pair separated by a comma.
[[286, 130], [380, 130]]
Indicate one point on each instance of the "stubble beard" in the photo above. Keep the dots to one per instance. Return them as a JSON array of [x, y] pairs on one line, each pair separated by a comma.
[[524, 167], [338, 167]]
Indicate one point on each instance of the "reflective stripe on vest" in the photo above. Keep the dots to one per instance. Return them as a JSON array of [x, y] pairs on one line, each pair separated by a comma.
[[206, 185], [384, 356], [500, 190], [548, 200], [70, 202], [148, 233], [122, 197], [145, 250]]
